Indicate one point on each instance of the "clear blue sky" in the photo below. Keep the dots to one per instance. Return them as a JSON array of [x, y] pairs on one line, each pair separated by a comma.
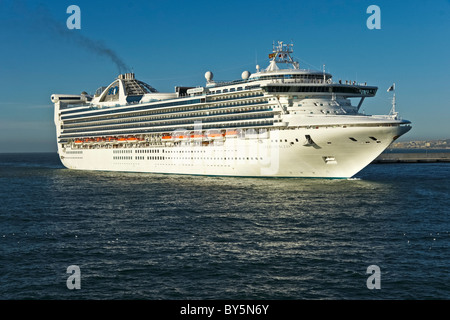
[[170, 43]]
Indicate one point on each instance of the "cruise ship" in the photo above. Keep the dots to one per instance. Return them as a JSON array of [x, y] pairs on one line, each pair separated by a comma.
[[280, 121]]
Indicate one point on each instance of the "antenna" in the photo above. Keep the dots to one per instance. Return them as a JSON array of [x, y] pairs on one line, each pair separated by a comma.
[[393, 112], [324, 78], [393, 104]]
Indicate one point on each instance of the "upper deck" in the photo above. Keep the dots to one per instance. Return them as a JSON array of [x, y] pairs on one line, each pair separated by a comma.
[[283, 76]]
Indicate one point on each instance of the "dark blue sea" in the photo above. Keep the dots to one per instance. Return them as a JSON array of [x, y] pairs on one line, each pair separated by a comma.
[[176, 237]]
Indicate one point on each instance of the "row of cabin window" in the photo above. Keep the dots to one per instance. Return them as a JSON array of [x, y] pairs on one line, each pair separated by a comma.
[[122, 151], [236, 89], [147, 151], [138, 158], [172, 122], [122, 123], [237, 124], [150, 112], [183, 158]]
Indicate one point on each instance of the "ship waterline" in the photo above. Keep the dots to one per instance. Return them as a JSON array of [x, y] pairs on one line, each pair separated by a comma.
[[274, 123]]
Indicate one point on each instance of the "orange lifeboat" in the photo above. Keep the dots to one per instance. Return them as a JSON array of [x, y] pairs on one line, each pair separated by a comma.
[[78, 141], [122, 139], [197, 136], [88, 140], [111, 139], [132, 139], [215, 135], [167, 138], [183, 137], [231, 133]]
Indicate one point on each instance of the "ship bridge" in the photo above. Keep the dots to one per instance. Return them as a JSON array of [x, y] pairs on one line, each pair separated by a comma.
[[283, 67]]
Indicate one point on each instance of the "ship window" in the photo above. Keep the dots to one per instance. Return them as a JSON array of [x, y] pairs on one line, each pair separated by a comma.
[[113, 93]]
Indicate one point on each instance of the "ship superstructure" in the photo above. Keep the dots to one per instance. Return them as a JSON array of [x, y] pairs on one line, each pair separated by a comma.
[[281, 121]]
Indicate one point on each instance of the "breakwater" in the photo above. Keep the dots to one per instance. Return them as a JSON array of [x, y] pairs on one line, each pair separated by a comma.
[[413, 157]]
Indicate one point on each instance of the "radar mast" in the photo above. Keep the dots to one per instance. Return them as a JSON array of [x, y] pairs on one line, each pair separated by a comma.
[[281, 53]]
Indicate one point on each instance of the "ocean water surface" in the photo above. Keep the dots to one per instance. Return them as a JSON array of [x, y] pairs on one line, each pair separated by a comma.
[[172, 237]]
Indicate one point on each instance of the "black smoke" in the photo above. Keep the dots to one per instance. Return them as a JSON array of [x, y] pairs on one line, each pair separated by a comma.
[[42, 21]]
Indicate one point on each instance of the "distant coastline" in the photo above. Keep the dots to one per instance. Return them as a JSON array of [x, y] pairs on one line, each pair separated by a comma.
[[418, 151], [422, 144]]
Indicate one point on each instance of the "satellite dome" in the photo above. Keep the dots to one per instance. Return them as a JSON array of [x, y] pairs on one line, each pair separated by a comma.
[[245, 75], [209, 75]]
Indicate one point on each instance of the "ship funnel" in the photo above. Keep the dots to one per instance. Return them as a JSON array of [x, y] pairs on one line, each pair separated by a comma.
[[126, 76]]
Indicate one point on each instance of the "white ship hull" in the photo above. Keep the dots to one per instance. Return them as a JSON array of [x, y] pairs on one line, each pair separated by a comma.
[[280, 153]]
